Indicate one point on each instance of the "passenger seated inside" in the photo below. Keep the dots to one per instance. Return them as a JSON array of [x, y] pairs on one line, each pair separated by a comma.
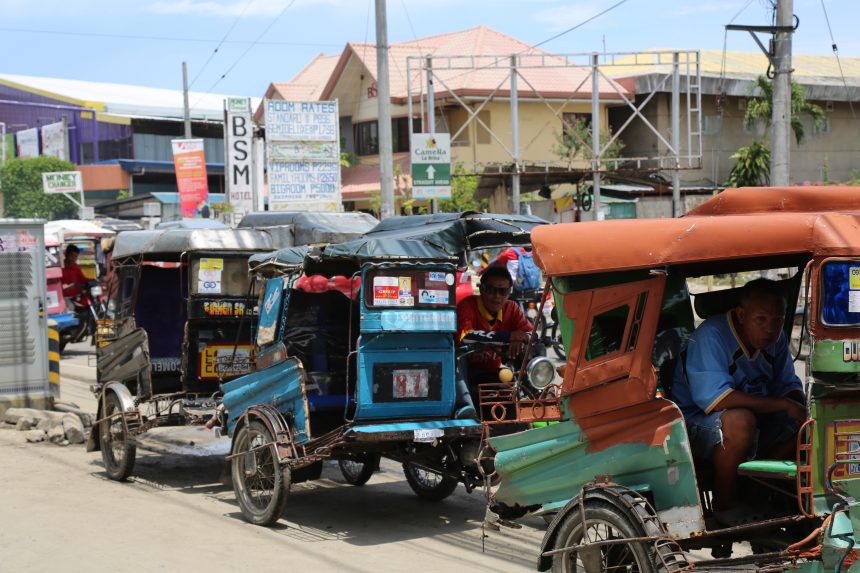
[[736, 386]]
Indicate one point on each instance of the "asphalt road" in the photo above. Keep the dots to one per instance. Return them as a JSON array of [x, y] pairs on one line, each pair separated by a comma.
[[177, 513]]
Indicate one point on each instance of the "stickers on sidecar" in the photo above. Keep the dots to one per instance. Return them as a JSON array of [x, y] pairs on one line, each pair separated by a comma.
[[385, 291], [212, 264], [854, 289], [410, 384], [209, 287], [432, 277], [433, 296], [393, 291]]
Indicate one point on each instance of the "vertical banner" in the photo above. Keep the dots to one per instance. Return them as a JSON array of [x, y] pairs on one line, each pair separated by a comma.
[[27, 143], [189, 161], [238, 135], [54, 140], [303, 155]]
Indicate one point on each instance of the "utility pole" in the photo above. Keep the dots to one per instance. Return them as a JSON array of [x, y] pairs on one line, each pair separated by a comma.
[[386, 163], [780, 165], [431, 116], [515, 138], [187, 110], [595, 134]]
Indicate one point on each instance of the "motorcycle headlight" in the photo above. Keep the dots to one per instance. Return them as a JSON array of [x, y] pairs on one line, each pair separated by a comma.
[[541, 371], [96, 291]]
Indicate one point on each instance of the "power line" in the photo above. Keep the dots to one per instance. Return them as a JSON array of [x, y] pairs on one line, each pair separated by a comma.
[[221, 43], [838, 62], [248, 49], [165, 38], [581, 24]]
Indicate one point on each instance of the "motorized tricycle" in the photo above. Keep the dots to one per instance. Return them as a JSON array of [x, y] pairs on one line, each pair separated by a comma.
[[179, 323], [616, 472], [356, 359]]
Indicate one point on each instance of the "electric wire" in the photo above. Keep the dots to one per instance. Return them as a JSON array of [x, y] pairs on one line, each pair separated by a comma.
[[838, 61], [221, 43], [245, 53], [550, 39], [581, 24]]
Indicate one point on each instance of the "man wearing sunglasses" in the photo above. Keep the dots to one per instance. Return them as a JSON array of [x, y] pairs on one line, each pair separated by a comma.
[[491, 317]]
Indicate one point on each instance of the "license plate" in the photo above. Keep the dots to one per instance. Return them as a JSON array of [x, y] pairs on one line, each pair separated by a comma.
[[428, 435], [410, 384]]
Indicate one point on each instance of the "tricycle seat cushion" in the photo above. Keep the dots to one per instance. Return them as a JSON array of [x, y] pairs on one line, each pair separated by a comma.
[[769, 469]]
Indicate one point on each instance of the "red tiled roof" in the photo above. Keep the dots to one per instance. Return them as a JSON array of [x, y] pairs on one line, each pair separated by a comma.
[[307, 85], [552, 82]]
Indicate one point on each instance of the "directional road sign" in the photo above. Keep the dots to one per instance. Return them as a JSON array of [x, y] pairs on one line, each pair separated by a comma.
[[431, 165]]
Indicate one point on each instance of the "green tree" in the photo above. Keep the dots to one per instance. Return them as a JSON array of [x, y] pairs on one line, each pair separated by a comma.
[[752, 166], [463, 189], [574, 142], [752, 163], [760, 108], [23, 195]]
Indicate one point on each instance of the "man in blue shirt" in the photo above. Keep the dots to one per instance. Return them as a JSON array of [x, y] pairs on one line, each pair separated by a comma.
[[736, 386]]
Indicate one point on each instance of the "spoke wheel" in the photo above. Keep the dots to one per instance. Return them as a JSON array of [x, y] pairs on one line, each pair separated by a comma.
[[429, 485], [356, 471], [118, 454], [260, 484], [604, 522]]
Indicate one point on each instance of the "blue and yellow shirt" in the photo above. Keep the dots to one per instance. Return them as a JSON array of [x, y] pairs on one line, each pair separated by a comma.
[[716, 363]]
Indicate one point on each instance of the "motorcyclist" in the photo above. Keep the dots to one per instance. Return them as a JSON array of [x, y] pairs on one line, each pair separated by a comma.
[[73, 277]]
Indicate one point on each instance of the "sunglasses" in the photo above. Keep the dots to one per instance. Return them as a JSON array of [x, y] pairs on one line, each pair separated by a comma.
[[491, 290]]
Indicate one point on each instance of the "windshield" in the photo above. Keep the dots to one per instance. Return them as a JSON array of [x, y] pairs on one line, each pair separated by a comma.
[[841, 289], [219, 276], [409, 289]]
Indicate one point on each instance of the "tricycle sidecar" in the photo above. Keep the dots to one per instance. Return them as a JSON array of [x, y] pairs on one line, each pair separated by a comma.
[[179, 322], [617, 472], [355, 358]]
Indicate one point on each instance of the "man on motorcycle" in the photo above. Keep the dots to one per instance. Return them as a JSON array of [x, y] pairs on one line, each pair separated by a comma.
[[73, 277], [491, 318]]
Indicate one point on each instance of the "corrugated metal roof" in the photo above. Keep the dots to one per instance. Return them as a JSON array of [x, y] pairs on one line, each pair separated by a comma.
[[820, 75], [122, 99]]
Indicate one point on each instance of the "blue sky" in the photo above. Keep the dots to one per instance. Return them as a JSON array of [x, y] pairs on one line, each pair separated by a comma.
[[141, 41]]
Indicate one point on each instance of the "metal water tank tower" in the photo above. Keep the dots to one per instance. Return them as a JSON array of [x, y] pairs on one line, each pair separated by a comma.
[[23, 319]]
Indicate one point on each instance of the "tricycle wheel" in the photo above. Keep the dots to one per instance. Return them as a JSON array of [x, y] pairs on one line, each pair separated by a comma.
[[429, 485], [357, 470], [260, 484], [604, 522], [118, 454]]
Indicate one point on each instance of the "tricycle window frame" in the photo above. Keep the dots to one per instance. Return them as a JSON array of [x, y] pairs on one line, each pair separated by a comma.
[[852, 264]]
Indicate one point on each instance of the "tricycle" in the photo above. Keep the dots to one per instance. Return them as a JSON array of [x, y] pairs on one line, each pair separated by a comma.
[[613, 468], [355, 359], [179, 322]]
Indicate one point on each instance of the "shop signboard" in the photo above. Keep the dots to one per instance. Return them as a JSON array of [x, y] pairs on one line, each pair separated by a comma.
[[189, 161], [54, 140], [303, 155], [27, 143], [238, 136]]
